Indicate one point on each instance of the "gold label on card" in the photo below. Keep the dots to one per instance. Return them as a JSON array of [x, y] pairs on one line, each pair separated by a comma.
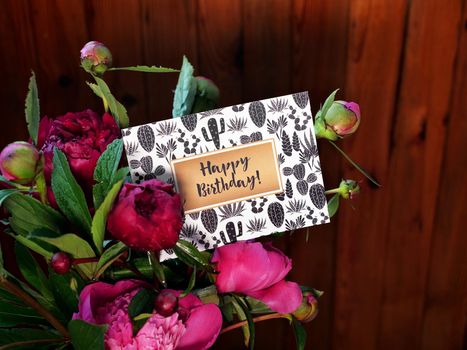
[[228, 175]]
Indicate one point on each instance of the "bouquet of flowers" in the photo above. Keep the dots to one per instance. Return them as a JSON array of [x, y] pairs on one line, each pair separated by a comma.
[[88, 240]]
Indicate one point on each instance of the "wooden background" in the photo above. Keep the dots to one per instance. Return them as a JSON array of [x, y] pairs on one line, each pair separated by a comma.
[[394, 268]]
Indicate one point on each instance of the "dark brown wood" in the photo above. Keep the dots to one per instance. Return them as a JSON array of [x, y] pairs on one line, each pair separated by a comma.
[[394, 270]]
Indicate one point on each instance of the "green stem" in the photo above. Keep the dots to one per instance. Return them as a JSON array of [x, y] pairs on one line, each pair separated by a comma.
[[358, 167], [255, 320], [334, 190], [15, 290]]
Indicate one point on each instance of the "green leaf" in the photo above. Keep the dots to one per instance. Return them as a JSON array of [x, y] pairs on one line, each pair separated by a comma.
[[300, 334], [100, 217], [142, 302], [13, 315], [86, 336], [63, 291], [95, 88], [190, 255], [35, 247], [116, 108], [358, 167], [333, 205], [20, 335], [185, 91], [157, 268], [208, 295], [104, 173], [6, 181], [32, 108], [327, 104], [108, 257], [68, 194], [32, 272], [2, 269], [249, 329], [147, 69], [76, 247], [191, 283], [28, 214]]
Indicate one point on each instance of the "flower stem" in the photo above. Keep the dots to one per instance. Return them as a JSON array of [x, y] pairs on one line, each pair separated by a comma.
[[15, 290], [84, 260], [255, 320], [334, 190]]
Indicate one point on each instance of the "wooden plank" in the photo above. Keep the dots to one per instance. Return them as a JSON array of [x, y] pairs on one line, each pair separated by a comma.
[[445, 307], [319, 57], [59, 35], [125, 41], [220, 52], [415, 164], [374, 49], [169, 32]]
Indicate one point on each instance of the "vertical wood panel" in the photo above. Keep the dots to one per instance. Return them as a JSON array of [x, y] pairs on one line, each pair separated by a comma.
[[415, 163], [319, 59], [445, 308], [375, 40]]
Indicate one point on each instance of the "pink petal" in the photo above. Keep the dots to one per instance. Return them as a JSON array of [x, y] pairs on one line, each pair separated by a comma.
[[284, 297], [202, 328]]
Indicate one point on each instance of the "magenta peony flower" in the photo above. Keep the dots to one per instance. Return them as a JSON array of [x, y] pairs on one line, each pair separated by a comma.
[[82, 136], [257, 270], [147, 216], [193, 326]]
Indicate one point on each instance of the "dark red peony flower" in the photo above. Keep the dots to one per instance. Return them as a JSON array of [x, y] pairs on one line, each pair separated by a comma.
[[82, 136], [147, 216]]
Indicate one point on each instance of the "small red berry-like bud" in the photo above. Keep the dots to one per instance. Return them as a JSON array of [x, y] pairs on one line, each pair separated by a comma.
[[60, 263], [166, 303]]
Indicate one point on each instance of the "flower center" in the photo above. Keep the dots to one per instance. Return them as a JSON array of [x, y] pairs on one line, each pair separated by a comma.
[[145, 203]]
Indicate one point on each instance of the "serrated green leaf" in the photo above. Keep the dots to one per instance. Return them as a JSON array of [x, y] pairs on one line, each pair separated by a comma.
[[185, 91], [105, 170], [358, 167], [28, 214], [327, 104], [68, 194], [146, 69], [76, 247], [95, 88], [333, 205], [108, 257], [100, 217], [116, 108], [32, 272], [32, 108], [300, 334], [86, 336]]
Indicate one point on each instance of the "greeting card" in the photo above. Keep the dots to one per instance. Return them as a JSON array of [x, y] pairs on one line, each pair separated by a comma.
[[243, 171]]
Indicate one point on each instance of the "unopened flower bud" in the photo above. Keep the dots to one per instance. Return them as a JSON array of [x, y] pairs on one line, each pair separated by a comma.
[[349, 189], [207, 95], [166, 303], [343, 117], [96, 58], [308, 310], [19, 162], [61, 263]]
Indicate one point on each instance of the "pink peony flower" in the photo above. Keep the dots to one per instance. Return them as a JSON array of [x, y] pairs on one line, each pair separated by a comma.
[[257, 270], [147, 216], [193, 326]]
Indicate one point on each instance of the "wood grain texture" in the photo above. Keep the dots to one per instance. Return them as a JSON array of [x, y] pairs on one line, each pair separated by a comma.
[[394, 270]]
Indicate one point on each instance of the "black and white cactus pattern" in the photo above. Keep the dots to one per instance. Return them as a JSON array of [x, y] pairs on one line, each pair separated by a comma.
[[287, 119]]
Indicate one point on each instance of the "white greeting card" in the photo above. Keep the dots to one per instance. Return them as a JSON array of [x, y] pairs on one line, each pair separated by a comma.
[[243, 171]]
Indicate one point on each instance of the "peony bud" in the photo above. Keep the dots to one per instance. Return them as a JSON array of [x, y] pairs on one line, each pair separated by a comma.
[[60, 263], [96, 58], [207, 95], [19, 162], [341, 119], [166, 303], [348, 189], [308, 310]]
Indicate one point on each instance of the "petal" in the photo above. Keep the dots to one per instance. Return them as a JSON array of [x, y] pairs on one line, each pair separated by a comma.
[[284, 297], [202, 328]]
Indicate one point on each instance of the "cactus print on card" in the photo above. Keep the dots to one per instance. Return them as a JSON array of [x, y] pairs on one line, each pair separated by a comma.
[[287, 119]]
